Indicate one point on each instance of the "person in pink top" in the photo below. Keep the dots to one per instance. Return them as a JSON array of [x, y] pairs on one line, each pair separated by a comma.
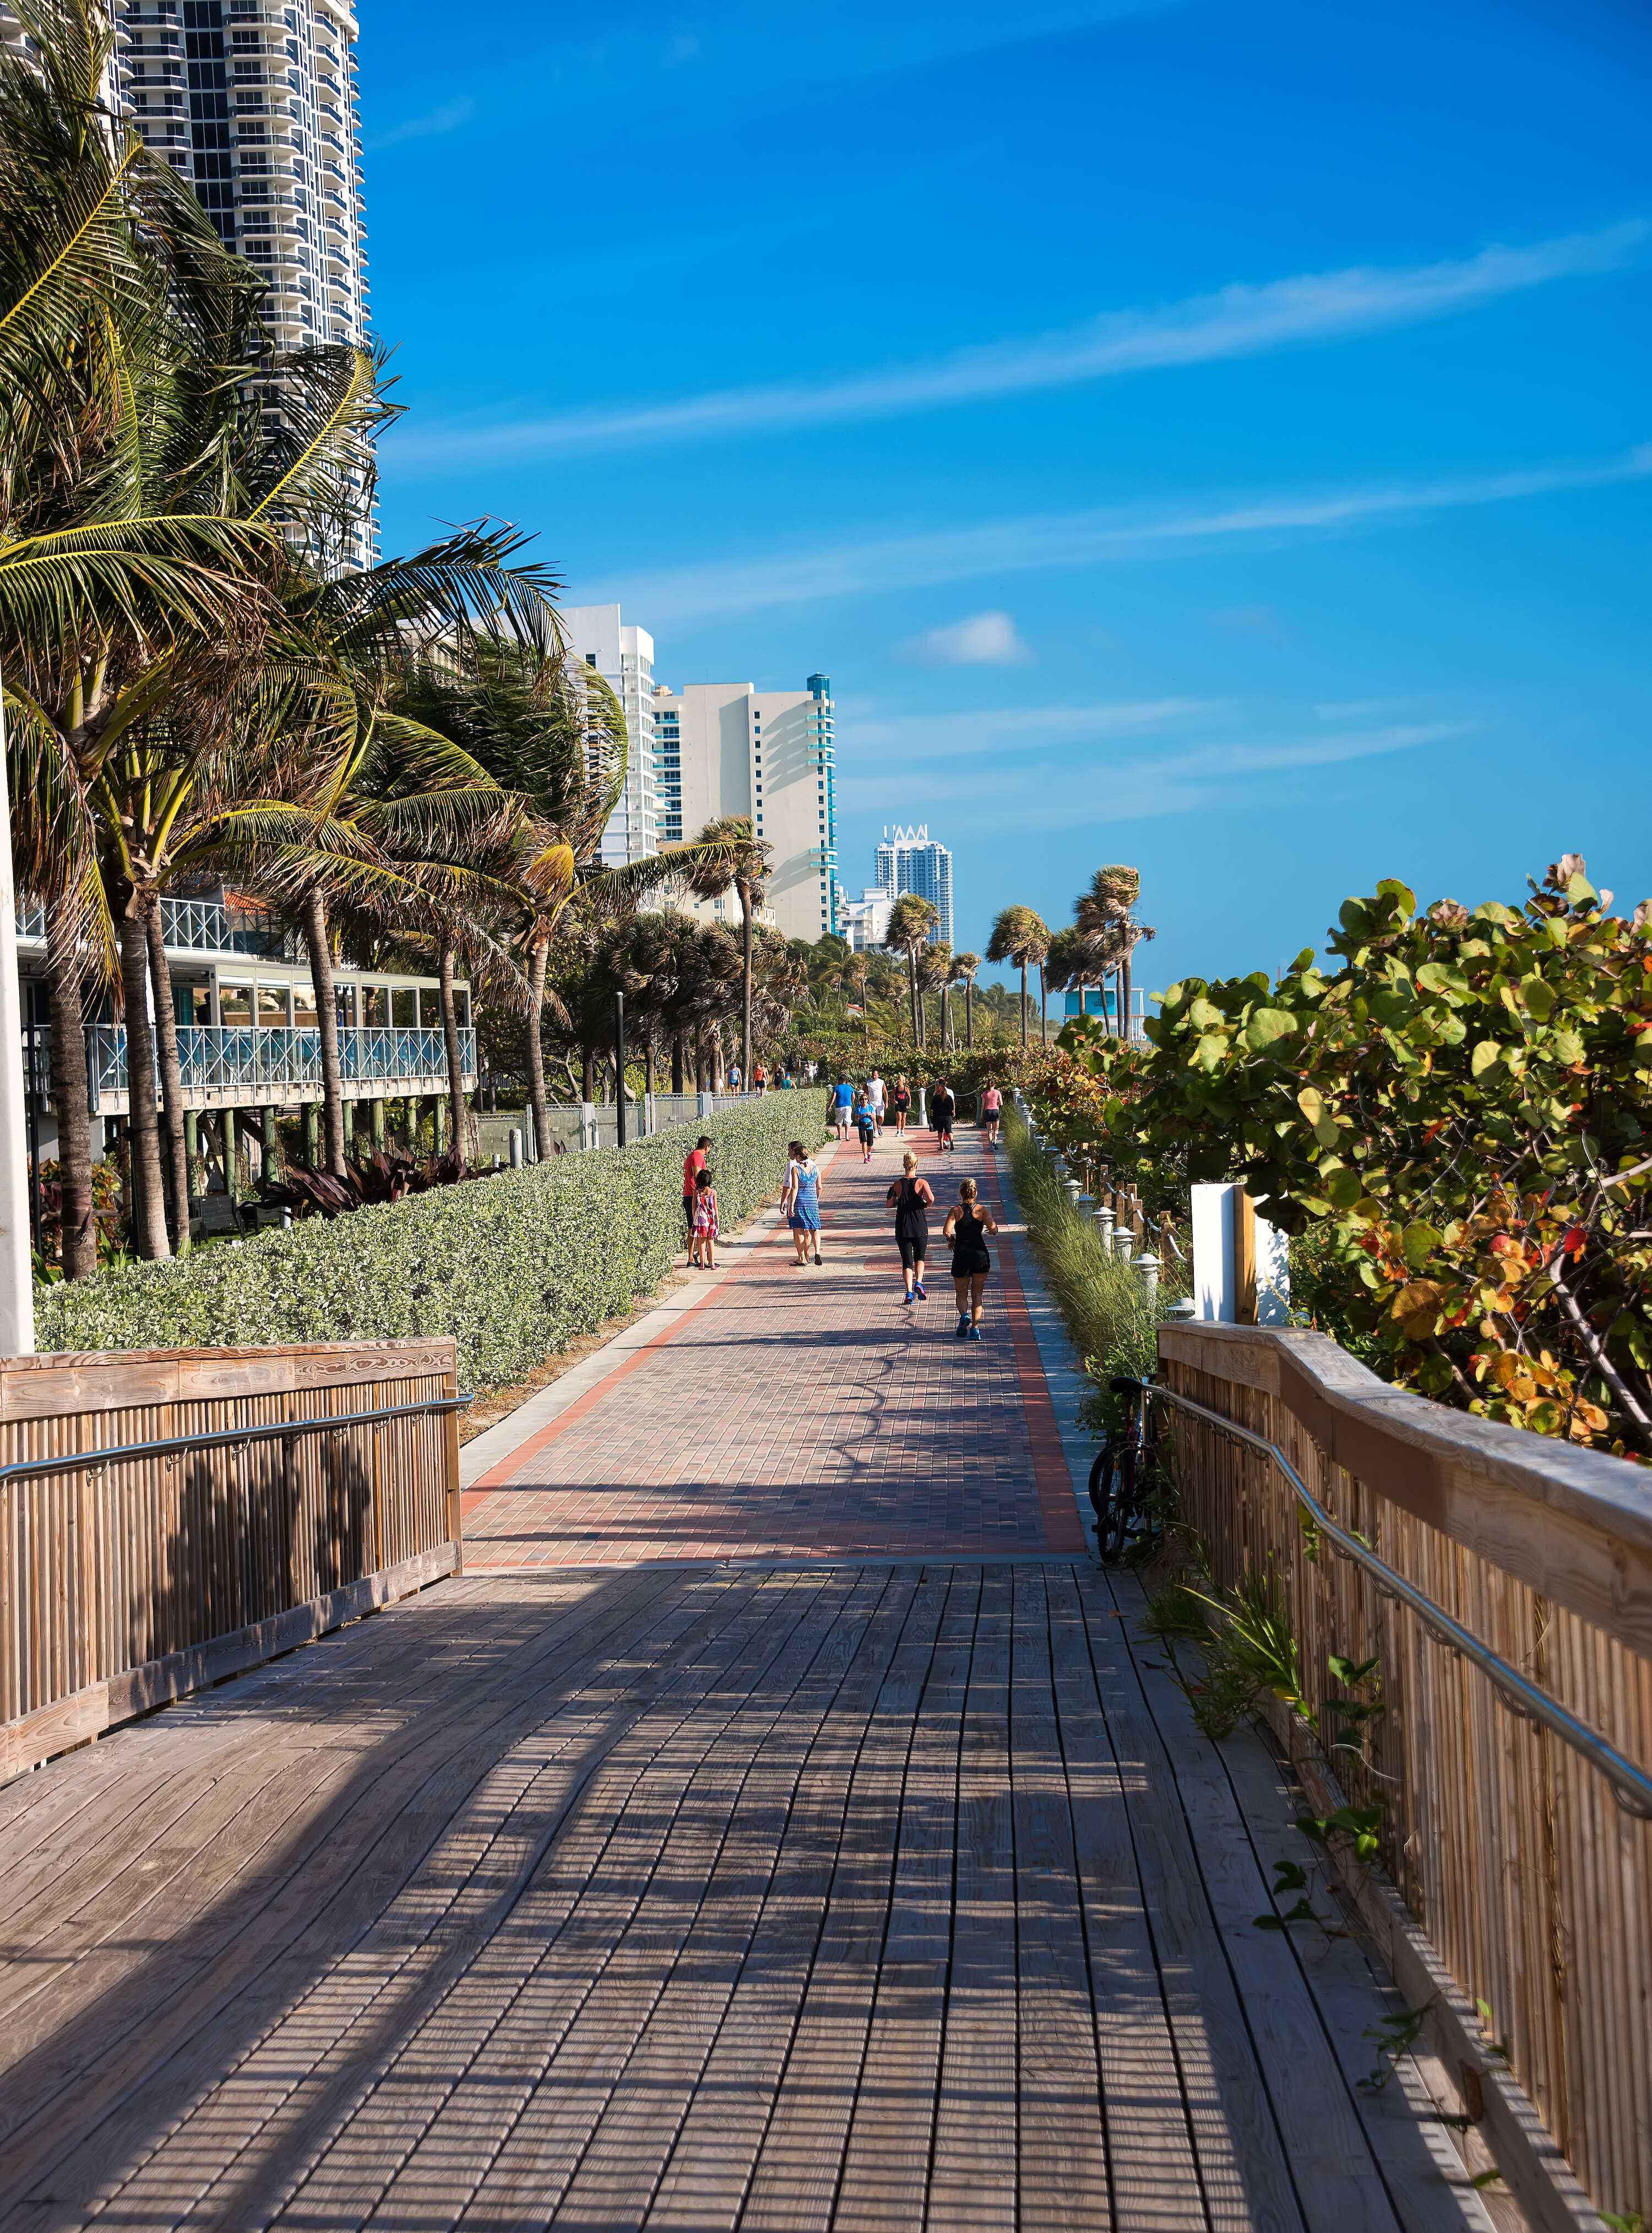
[[702, 1246], [992, 1110]]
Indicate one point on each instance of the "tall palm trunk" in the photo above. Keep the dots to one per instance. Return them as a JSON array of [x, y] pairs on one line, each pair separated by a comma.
[[1043, 1007], [1024, 1005], [537, 1098], [458, 1111], [174, 1153], [69, 1096], [676, 1061], [319, 943], [148, 1191], [912, 977], [745, 985], [946, 1038], [1124, 996], [969, 1013]]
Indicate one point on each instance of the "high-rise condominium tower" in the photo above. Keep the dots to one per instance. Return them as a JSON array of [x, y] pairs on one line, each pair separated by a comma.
[[911, 862], [623, 656], [255, 105], [724, 748]]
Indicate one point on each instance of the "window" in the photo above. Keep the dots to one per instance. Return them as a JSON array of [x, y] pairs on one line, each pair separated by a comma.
[[375, 1007], [344, 995], [404, 1008], [235, 1006], [272, 1008], [304, 1007]]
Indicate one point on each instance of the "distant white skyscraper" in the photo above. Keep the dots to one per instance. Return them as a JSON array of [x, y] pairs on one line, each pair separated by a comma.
[[255, 105], [911, 860], [724, 748], [623, 656]]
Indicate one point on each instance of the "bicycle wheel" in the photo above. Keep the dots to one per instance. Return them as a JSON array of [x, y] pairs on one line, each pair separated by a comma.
[[1112, 1493]]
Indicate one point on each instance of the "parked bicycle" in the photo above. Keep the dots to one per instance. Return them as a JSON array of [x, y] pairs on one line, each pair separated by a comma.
[[1124, 1478]]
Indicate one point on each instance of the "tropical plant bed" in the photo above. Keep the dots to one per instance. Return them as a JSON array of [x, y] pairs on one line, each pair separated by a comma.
[[515, 1270]]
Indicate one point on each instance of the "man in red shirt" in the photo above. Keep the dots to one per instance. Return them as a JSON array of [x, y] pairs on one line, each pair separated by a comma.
[[693, 1164]]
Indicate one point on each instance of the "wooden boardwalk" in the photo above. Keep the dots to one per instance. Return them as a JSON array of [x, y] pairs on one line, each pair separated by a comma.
[[835, 1895]]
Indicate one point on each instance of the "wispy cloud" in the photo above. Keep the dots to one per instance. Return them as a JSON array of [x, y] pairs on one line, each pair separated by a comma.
[[908, 739], [1060, 792], [1239, 321], [429, 127], [1250, 619], [1056, 541], [984, 640]]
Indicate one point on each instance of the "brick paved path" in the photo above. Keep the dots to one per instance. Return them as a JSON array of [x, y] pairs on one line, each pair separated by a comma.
[[805, 1414]]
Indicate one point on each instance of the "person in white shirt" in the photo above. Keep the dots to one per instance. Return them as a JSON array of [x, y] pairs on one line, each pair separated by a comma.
[[874, 1095]]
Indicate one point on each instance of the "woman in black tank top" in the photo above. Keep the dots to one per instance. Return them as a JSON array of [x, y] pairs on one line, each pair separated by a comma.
[[967, 1227], [912, 1199]]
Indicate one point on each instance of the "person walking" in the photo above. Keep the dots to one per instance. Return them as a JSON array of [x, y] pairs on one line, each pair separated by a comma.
[[966, 1227], [759, 1080], [900, 1102], [843, 1106], [702, 1240], [866, 1123], [942, 1109], [875, 1095], [912, 1199], [803, 1209], [693, 1164], [992, 1110]]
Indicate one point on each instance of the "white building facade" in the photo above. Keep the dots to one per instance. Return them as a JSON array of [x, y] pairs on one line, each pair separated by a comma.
[[623, 656], [256, 106], [912, 861], [865, 921], [726, 748]]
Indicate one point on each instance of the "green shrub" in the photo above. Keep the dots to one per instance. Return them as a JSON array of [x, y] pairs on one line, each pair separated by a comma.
[[1112, 1327], [515, 1267]]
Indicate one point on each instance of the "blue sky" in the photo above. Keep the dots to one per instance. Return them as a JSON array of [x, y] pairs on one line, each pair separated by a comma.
[[1212, 437]]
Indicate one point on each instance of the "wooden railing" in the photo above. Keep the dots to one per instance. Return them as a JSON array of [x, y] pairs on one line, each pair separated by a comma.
[[1512, 1875], [230, 1520]]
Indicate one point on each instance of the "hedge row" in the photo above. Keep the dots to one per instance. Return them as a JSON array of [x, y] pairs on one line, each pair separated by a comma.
[[515, 1265]]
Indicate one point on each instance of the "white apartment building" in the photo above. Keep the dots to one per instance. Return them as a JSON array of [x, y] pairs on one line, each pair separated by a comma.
[[725, 748], [912, 861], [865, 921], [256, 106], [623, 656]]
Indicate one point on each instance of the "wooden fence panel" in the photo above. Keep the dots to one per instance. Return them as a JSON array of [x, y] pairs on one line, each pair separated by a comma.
[[121, 1583], [1509, 1850]]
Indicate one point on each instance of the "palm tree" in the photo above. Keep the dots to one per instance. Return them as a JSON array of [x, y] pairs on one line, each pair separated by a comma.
[[746, 873], [912, 921], [964, 967], [127, 552], [1108, 931], [934, 975], [1020, 937]]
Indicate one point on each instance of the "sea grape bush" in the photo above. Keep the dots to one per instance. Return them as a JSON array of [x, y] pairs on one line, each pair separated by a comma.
[[1461, 1112]]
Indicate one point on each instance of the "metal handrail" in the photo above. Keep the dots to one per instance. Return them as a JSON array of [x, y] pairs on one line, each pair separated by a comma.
[[124, 1453], [1631, 1787]]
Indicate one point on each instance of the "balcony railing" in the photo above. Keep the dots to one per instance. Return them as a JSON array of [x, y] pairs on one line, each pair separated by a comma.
[[200, 927], [222, 1059]]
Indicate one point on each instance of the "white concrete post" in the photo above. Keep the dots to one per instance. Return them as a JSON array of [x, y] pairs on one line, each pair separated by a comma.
[[16, 1260]]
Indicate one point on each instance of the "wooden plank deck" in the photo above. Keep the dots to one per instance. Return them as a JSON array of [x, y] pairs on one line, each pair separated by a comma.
[[845, 1896]]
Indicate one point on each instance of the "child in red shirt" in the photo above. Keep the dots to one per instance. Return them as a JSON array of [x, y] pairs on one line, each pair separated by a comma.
[[702, 1247]]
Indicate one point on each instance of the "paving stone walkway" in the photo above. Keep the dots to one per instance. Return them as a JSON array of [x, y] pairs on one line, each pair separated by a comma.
[[788, 1413]]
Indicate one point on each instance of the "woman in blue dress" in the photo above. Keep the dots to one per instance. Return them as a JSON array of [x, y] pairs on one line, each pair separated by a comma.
[[801, 1200]]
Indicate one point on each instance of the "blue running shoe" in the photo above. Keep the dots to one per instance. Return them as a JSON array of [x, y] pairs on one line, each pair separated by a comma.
[[907, 1299], [963, 1326], [920, 1290], [975, 1334]]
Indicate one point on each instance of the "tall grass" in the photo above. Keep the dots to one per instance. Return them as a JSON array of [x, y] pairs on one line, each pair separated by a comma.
[[1099, 1297]]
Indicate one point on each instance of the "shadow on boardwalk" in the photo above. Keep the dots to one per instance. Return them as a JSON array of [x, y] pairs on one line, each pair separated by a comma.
[[699, 1896]]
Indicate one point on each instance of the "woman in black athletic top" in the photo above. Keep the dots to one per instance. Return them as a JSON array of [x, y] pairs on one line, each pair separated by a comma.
[[912, 1199], [967, 1227]]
